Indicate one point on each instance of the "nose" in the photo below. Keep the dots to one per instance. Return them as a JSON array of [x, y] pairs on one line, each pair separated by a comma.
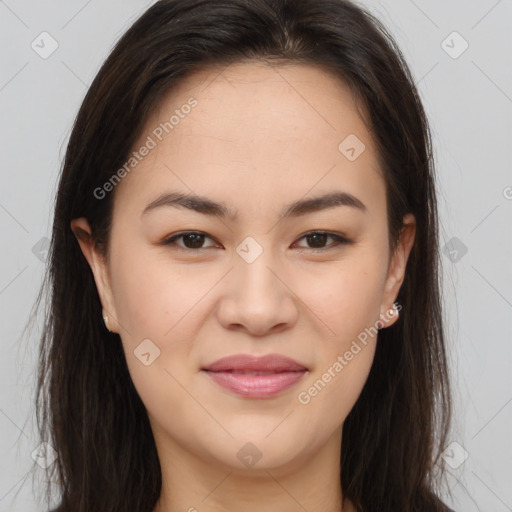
[[258, 297]]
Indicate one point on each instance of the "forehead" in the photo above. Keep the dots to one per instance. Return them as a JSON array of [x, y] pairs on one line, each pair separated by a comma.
[[256, 129], [264, 99]]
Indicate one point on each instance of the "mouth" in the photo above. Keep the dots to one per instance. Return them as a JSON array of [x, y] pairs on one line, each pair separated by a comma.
[[241, 372], [256, 377], [246, 363]]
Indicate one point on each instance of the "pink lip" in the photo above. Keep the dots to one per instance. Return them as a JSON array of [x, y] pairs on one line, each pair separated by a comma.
[[231, 373], [267, 363]]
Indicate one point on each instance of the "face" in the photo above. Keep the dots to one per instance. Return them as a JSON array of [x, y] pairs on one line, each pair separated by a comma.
[[265, 270]]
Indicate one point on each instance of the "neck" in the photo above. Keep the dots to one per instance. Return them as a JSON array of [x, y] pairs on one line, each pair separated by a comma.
[[192, 484]]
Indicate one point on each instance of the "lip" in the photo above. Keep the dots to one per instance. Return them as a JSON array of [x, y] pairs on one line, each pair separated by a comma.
[[248, 363], [256, 377]]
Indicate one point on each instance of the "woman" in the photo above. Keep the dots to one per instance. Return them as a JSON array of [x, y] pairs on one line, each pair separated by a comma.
[[245, 310]]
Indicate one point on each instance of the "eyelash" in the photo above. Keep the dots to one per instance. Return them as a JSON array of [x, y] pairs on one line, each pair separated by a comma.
[[339, 240]]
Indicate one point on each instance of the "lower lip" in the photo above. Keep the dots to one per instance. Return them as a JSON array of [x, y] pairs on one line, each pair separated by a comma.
[[256, 386]]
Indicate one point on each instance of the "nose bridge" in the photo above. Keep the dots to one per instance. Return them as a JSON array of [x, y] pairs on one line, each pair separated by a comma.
[[256, 297], [255, 278]]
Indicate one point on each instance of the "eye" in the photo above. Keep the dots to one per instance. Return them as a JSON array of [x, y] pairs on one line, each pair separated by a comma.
[[318, 239], [194, 240]]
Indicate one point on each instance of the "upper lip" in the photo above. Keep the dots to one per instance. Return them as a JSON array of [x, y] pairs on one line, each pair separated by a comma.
[[250, 363]]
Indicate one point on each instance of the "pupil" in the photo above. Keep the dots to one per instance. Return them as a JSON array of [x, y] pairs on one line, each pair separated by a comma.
[[317, 236], [197, 240]]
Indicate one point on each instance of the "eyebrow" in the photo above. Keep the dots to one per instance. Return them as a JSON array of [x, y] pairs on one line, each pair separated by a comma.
[[207, 206]]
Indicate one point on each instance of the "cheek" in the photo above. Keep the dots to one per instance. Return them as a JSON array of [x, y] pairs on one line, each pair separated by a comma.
[[331, 392], [345, 296], [164, 304], [154, 298], [156, 309], [348, 303]]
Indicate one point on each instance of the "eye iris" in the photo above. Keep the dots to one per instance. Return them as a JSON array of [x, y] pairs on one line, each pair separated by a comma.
[[197, 240], [319, 237]]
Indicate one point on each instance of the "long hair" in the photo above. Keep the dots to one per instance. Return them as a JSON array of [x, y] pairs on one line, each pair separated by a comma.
[[87, 407]]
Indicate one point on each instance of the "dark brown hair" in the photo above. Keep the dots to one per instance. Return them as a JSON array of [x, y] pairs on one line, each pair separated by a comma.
[[87, 406]]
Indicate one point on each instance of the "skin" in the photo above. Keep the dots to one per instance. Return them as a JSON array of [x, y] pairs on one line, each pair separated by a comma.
[[259, 138]]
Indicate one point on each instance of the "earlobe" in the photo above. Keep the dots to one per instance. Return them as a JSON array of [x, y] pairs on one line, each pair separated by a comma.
[[98, 265], [396, 271]]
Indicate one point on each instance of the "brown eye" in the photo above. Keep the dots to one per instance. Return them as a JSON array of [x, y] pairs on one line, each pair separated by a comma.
[[191, 240], [317, 239]]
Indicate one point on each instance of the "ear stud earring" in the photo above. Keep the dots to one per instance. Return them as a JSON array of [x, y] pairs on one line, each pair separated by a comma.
[[105, 319], [393, 312]]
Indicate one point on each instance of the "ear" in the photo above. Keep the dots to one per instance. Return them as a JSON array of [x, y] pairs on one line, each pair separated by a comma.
[[99, 267], [396, 271]]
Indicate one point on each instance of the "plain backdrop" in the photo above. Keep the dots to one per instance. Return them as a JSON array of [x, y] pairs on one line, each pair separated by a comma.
[[459, 52]]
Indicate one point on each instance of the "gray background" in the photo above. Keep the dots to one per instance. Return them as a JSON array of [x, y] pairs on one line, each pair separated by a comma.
[[468, 97]]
